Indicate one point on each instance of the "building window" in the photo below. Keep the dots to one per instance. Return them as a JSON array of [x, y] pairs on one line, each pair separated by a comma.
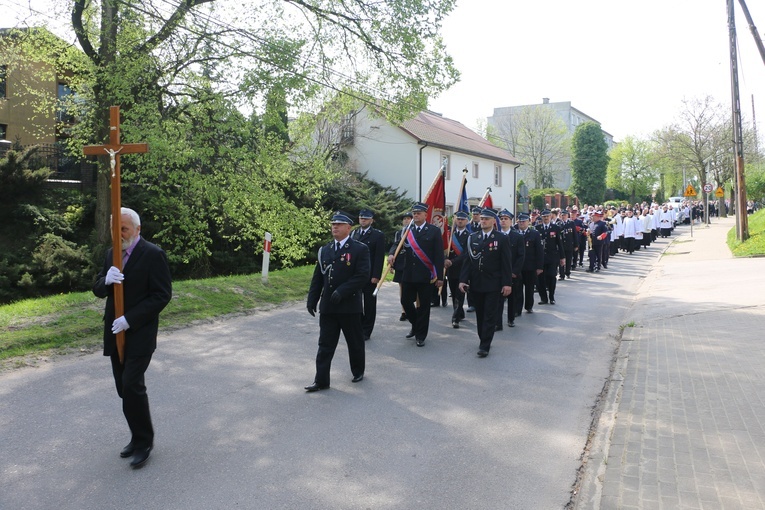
[[3, 80], [446, 161], [347, 129], [63, 115], [498, 175], [475, 170], [3, 131], [449, 211]]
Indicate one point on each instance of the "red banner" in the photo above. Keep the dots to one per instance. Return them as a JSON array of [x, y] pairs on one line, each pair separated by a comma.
[[436, 200]]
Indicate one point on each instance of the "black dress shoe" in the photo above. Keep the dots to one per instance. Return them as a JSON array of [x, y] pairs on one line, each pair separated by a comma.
[[127, 451], [140, 456], [358, 378], [482, 353], [561, 278], [471, 309], [455, 324], [316, 387], [366, 337], [403, 317], [498, 328], [510, 324], [543, 302], [552, 301], [420, 342], [529, 311], [518, 314], [410, 334]]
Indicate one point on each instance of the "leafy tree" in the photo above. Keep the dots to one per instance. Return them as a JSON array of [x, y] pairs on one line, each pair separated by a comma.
[[537, 136], [589, 162], [631, 169]]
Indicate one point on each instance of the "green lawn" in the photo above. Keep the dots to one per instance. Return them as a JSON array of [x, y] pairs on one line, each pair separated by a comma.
[[75, 320], [755, 245]]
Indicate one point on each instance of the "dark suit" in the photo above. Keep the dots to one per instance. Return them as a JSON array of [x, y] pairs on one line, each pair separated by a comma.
[[518, 253], [532, 261], [344, 272], [597, 229], [417, 279], [375, 241], [487, 267], [147, 288], [459, 244], [552, 245], [569, 238]]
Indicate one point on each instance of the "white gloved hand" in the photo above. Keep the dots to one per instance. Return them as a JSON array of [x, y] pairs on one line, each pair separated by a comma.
[[113, 275], [120, 324]]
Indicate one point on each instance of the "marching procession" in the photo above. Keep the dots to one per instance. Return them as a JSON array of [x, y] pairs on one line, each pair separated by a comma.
[[482, 265]]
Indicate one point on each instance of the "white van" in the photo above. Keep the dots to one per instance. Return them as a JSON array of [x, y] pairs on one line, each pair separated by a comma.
[[676, 203]]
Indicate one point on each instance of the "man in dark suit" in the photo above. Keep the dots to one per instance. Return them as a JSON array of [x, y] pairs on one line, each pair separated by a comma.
[[533, 262], [552, 246], [397, 264], [597, 230], [342, 270], [488, 272], [453, 264], [518, 253], [423, 254], [147, 288], [473, 226], [569, 239], [375, 241]]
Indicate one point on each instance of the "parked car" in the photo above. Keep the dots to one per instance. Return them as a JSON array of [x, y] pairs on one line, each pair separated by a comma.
[[677, 205]]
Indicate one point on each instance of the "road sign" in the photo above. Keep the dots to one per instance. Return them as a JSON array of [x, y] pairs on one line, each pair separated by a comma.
[[708, 188], [719, 193], [689, 191]]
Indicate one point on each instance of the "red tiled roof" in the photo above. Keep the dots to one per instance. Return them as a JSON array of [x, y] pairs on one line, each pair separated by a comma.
[[444, 133]]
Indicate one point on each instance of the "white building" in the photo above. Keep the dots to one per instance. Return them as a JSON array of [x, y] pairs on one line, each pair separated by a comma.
[[409, 156]]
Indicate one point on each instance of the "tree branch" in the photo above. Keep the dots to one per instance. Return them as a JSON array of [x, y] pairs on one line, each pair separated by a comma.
[[82, 36]]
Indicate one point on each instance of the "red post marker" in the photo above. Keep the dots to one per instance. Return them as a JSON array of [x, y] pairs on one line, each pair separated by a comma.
[[266, 256]]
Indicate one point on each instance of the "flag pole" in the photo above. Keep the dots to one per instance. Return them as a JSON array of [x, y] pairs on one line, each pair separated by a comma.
[[454, 218], [403, 237], [485, 196]]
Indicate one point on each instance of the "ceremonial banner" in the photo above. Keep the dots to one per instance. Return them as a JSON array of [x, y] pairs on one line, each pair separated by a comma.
[[436, 200], [463, 204]]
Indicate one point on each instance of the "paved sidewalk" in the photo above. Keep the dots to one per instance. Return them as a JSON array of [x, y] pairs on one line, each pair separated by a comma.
[[683, 421]]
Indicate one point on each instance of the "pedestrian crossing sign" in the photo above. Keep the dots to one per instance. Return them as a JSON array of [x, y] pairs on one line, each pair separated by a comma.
[[689, 191]]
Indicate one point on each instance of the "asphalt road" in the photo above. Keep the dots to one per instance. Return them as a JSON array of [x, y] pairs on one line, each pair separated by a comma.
[[433, 427]]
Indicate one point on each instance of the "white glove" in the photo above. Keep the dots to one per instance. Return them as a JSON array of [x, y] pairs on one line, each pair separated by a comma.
[[120, 324], [113, 275]]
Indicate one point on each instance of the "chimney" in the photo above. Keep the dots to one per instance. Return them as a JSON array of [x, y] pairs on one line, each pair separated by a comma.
[[545, 100]]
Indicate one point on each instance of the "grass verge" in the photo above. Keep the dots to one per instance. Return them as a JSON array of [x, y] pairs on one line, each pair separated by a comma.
[[75, 320], [755, 245]]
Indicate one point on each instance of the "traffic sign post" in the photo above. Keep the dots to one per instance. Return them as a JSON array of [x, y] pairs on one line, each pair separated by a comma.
[[689, 191]]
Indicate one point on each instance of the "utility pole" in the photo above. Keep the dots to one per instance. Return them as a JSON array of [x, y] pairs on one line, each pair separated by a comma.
[[742, 227]]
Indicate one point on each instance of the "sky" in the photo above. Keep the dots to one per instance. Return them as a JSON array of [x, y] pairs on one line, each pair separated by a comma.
[[628, 64]]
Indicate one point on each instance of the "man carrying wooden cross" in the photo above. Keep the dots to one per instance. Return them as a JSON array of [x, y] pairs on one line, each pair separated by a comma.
[[135, 280]]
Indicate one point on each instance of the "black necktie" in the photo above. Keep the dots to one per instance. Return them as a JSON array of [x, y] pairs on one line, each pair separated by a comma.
[[337, 246]]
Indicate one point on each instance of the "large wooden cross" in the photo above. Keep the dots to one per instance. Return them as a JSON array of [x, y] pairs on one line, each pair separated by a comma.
[[114, 149]]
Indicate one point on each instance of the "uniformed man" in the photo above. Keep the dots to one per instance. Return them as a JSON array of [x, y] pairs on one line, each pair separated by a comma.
[[398, 264], [552, 246], [580, 230], [342, 270], [375, 241], [533, 262], [453, 264], [487, 271], [569, 243], [597, 230], [518, 252], [423, 254], [474, 226]]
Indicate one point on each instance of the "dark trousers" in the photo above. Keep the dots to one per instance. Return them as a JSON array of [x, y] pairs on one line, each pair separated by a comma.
[[565, 270], [528, 281], [596, 256], [511, 303], [516, 298], [131, 387], [330, 326], [486, 305], [458, 298], [370, 309], [630, 244], [582, 249], [547, 281], [605, 252], [418, 317]]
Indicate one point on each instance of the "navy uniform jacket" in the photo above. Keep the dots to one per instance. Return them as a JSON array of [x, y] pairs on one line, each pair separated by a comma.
[[534, 257], [597, 228], [517, 249], [454, 271], [147, 288], [429, 239], [552, 242], [488, 264], [346, 272], [375, 241], [568, 232]]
